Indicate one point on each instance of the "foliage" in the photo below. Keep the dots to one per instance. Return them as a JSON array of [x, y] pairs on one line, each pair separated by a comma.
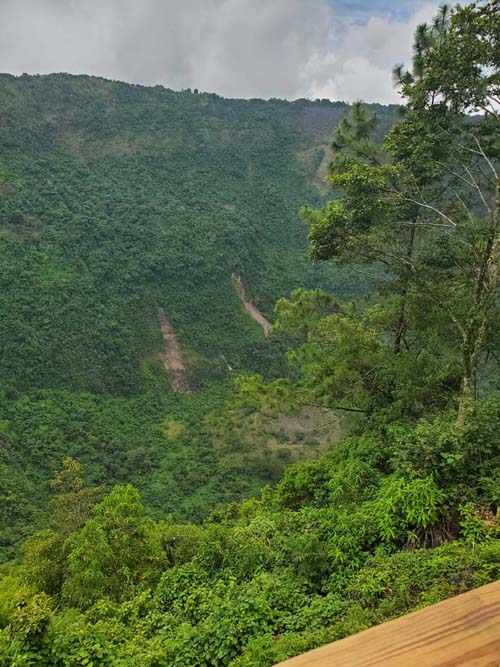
[[117, 200], [340, 544], [426, 208], [402, 512]]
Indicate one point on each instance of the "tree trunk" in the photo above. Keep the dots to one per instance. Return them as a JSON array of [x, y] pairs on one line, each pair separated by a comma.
[[466, 385], [486, 287], [401, 322]]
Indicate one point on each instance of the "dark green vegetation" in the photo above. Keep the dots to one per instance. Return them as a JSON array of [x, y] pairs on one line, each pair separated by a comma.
[[117, 200], [403, 512]]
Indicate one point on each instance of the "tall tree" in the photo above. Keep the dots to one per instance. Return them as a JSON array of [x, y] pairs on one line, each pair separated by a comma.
[[459, 77], [428, 207]]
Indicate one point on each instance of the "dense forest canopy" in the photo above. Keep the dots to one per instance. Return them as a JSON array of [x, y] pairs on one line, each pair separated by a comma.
[[118, 201], [401, 512]]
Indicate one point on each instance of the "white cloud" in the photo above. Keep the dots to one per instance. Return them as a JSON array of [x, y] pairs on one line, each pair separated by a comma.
[[359, 64], [237, 48]]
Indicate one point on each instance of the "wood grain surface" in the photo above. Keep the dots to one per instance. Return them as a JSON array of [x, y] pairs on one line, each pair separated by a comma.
[[464, 630]]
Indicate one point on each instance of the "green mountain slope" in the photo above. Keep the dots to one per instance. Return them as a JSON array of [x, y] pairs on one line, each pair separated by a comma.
[[118, 200]]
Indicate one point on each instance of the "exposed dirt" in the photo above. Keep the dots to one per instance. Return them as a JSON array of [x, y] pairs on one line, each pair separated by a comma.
[[172, 356], [249, 306]]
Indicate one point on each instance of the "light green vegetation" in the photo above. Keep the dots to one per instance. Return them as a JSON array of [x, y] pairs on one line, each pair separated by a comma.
[[400, 513], [117, 200]]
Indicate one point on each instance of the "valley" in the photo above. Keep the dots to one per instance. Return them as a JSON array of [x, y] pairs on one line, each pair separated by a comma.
[[250, 352], [125, 211]]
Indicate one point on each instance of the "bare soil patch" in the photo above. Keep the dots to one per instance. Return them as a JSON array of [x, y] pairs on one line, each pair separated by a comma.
[[172, 356], [250, 307]]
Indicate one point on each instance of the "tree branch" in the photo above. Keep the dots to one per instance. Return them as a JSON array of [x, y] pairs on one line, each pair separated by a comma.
[[430, 208]]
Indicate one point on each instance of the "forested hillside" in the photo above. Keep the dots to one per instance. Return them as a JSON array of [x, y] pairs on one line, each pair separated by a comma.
[[119, 199], [191, 559], [119, 203]]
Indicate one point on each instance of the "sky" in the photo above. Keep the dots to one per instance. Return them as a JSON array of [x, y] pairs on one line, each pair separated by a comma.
[[336, 49]]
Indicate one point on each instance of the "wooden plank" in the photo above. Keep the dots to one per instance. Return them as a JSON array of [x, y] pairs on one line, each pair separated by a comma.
[[462, 631]]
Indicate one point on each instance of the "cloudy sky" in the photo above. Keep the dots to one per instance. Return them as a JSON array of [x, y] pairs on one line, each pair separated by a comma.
[[340, 49]]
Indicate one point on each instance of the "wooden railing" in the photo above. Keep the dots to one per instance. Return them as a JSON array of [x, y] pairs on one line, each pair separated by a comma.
[[463, 631]]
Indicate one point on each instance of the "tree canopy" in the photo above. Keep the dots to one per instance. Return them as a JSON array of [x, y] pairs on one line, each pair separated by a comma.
[[400, 512]]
